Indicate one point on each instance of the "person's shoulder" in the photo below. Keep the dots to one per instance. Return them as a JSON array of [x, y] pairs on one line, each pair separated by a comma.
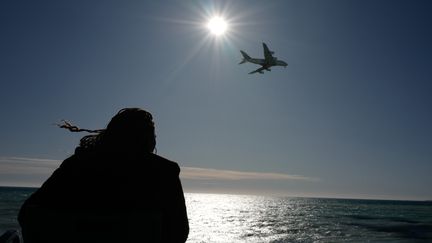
[[78, 159], [166, 163]]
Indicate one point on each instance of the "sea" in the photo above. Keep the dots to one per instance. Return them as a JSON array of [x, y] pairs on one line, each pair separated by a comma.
[[247, 218]]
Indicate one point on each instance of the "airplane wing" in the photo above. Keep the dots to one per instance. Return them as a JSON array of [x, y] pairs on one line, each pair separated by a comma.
[[267, 53], [259, 70]]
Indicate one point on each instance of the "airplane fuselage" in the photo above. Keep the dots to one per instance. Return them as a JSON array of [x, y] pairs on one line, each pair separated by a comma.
[[266, 64]]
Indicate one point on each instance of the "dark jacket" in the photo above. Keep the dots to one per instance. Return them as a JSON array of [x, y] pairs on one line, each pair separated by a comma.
[[108, 197]]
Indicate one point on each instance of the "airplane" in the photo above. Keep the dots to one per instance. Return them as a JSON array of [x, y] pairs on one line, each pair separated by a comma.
[[266, 63]]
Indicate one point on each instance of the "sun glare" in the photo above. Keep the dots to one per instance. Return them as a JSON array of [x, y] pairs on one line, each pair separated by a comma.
[[217, 26]]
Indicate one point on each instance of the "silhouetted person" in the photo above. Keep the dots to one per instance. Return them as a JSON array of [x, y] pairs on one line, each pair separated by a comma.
[[113, 189]]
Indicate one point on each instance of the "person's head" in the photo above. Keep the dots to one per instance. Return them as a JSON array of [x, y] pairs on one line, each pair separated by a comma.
[[131, 128]]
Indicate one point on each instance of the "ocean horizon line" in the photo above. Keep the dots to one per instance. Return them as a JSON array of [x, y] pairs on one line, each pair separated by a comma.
[[261, 195]]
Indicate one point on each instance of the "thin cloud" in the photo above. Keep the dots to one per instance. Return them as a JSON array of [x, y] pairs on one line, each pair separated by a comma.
[[193, 173], [32, 161], [22, 165], [27, 172], [27, 166]]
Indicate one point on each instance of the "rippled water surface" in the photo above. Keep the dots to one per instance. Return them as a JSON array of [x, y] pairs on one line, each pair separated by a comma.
[[241, 218], [236, 218]]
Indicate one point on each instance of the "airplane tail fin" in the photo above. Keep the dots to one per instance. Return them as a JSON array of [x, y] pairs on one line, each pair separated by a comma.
[[246, 57]]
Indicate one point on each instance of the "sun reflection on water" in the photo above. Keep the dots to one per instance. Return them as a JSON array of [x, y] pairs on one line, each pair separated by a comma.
[[232, 218]]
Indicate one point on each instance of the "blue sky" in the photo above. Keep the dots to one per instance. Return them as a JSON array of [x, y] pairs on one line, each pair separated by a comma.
[[349, 117]]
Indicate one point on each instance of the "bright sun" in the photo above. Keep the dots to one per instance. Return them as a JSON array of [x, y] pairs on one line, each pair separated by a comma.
[[217, 26]]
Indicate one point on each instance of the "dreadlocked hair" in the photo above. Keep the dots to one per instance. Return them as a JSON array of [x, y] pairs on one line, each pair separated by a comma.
[[91, 141], [130, 128], [87, 142]]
